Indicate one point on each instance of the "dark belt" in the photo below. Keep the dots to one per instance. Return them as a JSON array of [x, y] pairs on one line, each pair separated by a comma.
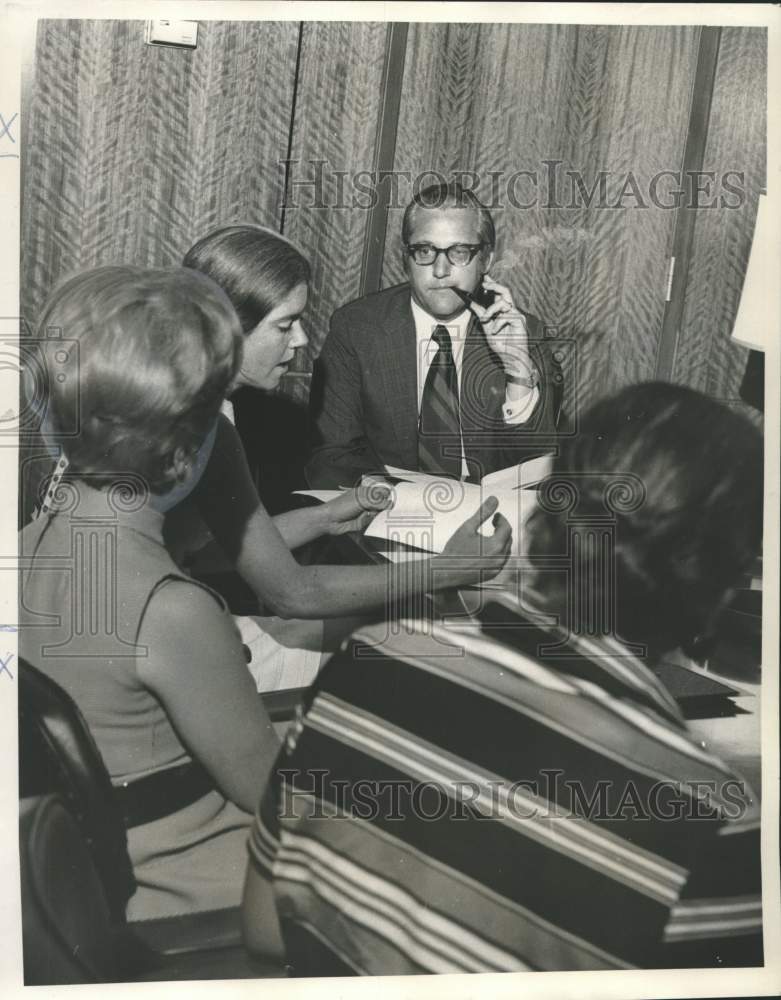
[[162, 793]]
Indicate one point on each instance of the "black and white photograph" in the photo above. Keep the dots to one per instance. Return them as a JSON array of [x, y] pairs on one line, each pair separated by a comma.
[[389, 421]]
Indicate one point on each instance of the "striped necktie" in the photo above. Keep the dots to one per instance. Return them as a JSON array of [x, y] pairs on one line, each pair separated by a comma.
[[439, 430]]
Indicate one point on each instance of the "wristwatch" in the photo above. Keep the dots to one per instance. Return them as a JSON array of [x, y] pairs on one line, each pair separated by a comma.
[[529, 381]]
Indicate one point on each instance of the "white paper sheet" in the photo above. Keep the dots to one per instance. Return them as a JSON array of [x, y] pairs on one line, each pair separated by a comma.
[[411, 477], [400, 555], [324, 495], [519, 476], [425, 516], [511, 478]]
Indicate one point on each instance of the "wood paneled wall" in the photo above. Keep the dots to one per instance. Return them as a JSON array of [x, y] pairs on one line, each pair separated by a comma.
[[133, 152], [334, 134], [707, 358], [548, 99]]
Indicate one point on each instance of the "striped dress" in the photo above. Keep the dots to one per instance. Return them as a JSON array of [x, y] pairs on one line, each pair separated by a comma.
[[503, 797]]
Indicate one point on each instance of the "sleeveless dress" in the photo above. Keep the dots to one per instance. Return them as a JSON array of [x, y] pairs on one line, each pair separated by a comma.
[[88, 570]]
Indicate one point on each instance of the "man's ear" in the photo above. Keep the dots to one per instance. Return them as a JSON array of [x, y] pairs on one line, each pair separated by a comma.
[[488, 262]]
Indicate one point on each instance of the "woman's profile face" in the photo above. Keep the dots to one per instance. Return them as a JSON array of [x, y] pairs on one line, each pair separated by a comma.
[[270, 347]]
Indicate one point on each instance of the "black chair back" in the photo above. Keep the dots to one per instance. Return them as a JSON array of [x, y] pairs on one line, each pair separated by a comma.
[[66, 925], [57, 754]]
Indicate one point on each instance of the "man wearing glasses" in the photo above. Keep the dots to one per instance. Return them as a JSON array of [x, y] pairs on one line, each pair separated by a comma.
[[422, 376]]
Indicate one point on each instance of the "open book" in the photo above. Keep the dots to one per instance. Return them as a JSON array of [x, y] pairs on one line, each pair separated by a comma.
[[427, 509]]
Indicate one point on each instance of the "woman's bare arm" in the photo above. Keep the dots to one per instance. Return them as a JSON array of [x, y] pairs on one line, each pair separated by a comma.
[[229, 503], [195, 666], [226, 497]]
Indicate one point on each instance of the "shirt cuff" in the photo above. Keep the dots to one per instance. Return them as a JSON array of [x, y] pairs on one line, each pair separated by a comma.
[[518, 411]]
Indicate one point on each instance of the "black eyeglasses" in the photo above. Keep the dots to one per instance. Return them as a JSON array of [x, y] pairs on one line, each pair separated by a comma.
[[459, 254]]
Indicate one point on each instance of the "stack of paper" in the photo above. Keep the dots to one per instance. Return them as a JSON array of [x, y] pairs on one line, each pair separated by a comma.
[[427, 509]]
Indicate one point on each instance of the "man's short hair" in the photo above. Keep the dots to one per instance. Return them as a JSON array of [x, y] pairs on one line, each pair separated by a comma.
[[694, 525], [157, 351], [450, 195]]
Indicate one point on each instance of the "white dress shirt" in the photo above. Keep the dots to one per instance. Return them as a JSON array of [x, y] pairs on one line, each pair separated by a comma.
[[226, 409], [513, 411]]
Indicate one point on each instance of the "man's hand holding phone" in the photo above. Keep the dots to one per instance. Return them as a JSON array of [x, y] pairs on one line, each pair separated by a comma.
[[506, 332]]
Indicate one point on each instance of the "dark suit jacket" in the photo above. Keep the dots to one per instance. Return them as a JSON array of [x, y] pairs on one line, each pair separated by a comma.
[[364, 403]]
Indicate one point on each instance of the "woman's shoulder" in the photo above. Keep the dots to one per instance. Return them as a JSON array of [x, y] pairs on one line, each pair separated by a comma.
[[30, 535], [184, 622], [178, 605], [177, 590], [147, 573]]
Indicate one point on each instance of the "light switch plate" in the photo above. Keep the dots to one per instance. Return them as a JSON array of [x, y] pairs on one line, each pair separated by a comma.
[[181, 33]]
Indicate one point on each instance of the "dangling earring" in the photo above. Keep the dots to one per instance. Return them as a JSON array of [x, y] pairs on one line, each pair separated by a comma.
[[181, 464], [51, 490]]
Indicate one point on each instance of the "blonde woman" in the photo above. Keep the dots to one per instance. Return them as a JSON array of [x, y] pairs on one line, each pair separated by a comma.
[[152, 658]]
